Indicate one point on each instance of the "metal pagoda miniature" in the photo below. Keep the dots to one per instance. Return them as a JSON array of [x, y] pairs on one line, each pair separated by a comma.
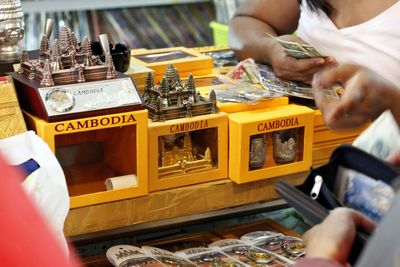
[[66, 62], [173, 99]]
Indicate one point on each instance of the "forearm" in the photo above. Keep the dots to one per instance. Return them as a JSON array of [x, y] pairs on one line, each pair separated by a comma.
[[248, 38], [253, 19]]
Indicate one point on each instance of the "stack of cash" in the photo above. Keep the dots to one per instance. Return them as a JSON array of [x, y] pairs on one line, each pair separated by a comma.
[[298, 50], [271, 82]]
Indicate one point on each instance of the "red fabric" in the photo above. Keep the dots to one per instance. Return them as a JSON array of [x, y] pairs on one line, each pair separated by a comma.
[[316, 262], [25, 239]]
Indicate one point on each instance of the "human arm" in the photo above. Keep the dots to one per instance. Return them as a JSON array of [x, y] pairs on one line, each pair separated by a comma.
[[365, 97], [248, 37]]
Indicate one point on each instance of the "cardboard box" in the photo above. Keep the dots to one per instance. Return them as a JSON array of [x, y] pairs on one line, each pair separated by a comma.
[[187, 61], [188, 151], [92, 150], [270, 142]]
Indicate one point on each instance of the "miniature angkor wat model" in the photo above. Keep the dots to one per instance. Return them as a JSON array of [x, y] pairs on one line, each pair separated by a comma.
[[180, 156], [173, 99], [66, 62]]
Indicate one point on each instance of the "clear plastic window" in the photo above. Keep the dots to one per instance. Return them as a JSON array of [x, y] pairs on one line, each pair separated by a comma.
[[187, 152], [276, 148]]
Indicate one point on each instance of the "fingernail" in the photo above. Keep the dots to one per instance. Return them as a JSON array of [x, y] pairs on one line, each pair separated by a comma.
[[320, 62]]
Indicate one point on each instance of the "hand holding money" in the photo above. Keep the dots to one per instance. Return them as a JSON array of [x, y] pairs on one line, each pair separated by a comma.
[[366, 95], [296, 49], [289, 67]]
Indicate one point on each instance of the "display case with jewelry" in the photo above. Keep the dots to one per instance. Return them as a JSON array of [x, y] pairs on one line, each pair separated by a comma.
[[209, 257], [250, 255], [289, 247], [127, 256], [166, 257], [274, 141]]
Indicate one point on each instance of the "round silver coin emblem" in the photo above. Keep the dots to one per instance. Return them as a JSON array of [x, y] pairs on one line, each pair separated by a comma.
[[60, 100]]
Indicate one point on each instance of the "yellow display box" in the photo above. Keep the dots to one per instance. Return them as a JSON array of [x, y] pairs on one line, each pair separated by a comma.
[[187, 61], [92, 150], [270, 142], [139, 74], [211, 48], [230, 107], [326, 140], [188, 151]]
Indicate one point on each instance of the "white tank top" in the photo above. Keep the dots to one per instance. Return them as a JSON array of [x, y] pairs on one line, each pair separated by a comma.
[[374, 44]]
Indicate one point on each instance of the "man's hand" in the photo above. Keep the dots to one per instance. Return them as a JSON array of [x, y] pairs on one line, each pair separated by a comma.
[[334, 237], [366, 96]]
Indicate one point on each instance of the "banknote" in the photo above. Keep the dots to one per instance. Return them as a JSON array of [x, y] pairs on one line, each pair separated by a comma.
[[297, 50], [275, 84], [311, 50], [297, 54], [363, 193]]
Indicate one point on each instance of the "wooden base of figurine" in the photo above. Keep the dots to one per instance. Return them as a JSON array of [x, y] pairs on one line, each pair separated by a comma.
[[32, 102]]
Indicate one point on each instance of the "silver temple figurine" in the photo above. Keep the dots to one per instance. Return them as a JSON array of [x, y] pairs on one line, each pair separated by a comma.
[[173, 99], [66, 62]]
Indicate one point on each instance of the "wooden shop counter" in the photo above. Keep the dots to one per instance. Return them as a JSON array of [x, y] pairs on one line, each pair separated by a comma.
[[172, 203]]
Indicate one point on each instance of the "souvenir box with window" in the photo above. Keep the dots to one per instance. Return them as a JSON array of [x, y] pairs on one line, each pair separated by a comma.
[[270, 142], [188, 151], [104, 158], [186, 60]]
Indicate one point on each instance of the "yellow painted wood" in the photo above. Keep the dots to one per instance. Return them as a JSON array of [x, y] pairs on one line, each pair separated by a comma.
[[211, 131], [196, 63], [125, 146], [243, 125], [172, 203]]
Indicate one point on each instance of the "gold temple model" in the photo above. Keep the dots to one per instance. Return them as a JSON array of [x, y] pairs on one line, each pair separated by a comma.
[[66, 62], [173, 99], [181, 157]]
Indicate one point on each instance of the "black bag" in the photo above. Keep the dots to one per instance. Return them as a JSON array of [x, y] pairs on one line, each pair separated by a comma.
[[315, 210]]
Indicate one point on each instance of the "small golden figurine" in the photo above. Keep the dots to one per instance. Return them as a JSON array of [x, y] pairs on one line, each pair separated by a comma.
[[177, 155]]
